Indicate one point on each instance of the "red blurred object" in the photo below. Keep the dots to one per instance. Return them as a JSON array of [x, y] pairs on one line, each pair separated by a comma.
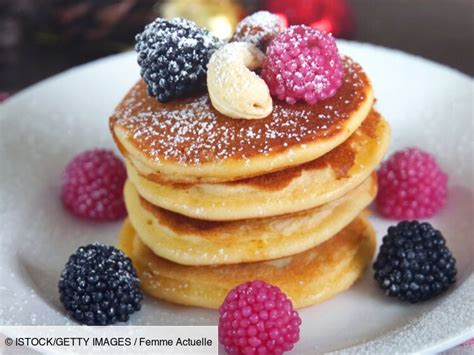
[[283, 21], [333, 16], [3, 96]]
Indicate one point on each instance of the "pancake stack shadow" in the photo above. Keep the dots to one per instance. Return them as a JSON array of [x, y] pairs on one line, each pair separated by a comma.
[[214, 201]]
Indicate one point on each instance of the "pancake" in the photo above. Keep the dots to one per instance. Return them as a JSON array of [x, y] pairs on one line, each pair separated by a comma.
[[194, 242], [299, 188], [307, 278], [187, 140]]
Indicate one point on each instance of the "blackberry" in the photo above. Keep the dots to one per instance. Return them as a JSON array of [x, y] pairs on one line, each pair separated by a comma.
[[173, 56], [414, 264], [99, 286]]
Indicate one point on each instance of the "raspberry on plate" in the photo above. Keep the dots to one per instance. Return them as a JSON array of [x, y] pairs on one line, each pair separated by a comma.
[[411, 185], [414, 264], [99, 286], [303, 64], [257, 318], [93, 185]]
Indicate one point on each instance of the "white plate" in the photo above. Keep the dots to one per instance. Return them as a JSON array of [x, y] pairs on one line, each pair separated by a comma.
[[41, 128]]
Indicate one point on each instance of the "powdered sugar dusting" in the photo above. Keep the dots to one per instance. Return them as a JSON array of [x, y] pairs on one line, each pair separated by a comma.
[[173, 55], [179, 26], [258, 29], [191, 131]]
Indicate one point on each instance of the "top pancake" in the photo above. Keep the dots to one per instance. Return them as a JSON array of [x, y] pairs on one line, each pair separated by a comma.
[[189, 141], [287, 191]]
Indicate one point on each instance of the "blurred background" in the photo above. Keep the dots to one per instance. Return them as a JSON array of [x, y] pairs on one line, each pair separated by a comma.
[[39, 38]]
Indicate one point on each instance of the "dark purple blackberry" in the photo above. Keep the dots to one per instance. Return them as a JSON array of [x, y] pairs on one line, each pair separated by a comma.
[[99, 286], [173, 56], [414, 264]]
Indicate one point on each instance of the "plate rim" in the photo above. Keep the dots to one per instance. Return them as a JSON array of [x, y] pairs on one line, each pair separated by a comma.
[[119, 56]]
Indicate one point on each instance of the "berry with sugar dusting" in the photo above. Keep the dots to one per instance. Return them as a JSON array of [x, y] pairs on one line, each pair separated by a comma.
[[99, 286], [411, 185], [257, 318], [173, 56], [414, 264], [303, 63], [258, 29], [93, 185]]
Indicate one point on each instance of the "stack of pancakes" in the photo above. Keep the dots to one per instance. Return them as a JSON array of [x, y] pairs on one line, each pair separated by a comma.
[[215, 201]]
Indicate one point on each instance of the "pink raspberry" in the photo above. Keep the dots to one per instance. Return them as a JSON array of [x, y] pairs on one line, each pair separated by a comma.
[[303, 64], [93, 185], [411, 185], [257, 318]]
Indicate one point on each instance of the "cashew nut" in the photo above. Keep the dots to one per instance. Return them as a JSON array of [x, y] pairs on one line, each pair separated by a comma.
[[235, 90]]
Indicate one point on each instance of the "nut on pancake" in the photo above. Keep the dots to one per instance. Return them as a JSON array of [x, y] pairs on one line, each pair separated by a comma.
[[307, 278]]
